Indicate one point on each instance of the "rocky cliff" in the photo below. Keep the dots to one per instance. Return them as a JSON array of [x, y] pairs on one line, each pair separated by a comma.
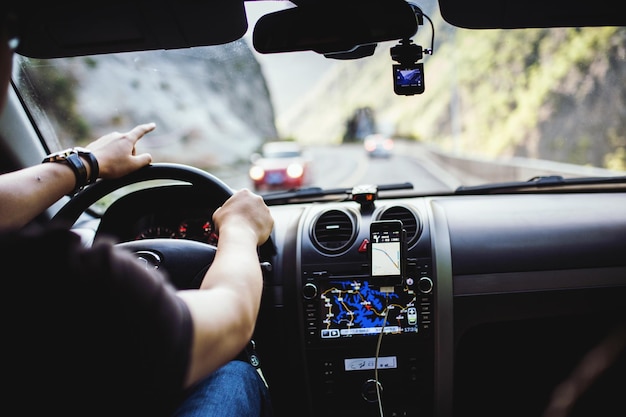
[[211, 105]]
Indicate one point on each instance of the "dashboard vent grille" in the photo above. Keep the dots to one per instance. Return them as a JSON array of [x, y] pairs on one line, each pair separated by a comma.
[[333, 231], [410, 221]]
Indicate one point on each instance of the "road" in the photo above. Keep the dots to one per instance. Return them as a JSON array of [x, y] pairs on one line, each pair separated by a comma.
[[348, 165]]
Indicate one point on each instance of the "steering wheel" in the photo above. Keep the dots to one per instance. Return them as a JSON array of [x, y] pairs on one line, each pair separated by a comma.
[[185, 261]]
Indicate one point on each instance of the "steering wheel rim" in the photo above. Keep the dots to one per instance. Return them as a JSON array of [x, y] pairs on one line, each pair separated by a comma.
[[71, 211], [185, 261]]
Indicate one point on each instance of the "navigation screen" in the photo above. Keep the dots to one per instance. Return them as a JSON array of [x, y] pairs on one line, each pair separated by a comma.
[[386, 258], [356, 308]]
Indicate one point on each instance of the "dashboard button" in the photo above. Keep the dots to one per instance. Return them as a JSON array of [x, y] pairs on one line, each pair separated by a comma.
[[425, 285], [309, 291]]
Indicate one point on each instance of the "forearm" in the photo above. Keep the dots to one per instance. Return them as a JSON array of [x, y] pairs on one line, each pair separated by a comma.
[[28, 192], [224, 310], [236, 269]]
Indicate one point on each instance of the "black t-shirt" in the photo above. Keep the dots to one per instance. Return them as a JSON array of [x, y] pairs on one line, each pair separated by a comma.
[[88, 331]]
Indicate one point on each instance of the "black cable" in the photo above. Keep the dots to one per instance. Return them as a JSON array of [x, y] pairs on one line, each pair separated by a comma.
[[432, 39], [418, 12], [378, 343]]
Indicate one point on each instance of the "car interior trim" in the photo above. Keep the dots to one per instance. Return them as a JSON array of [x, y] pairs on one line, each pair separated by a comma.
[[444, 327], [511, 282]]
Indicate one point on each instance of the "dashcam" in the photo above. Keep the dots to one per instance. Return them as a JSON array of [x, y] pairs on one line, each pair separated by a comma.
[[408, 80]]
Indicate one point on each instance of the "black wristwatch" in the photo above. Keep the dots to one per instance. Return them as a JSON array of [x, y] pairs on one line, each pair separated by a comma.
[[93, 163], [72, 157]]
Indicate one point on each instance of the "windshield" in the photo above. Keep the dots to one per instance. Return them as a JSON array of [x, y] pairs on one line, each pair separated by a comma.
[[496, 106]]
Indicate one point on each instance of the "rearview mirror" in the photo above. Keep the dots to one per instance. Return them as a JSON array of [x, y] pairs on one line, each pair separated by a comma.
[[333, 27]]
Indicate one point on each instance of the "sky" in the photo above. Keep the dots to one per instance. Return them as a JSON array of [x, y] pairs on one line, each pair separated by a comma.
[[286, 81]]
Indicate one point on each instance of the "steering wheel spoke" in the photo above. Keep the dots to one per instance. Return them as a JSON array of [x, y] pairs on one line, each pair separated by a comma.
[[183, 261]]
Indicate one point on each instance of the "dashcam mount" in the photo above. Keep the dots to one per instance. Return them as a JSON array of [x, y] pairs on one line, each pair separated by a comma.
[[408, 73]]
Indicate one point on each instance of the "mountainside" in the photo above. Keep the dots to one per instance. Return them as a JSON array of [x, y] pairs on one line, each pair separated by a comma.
[[205, 115], [485, 95]]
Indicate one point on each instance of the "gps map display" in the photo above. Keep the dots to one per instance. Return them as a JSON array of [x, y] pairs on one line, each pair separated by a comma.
[[356, 308]]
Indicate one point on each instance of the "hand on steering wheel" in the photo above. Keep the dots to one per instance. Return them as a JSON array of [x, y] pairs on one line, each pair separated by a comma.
[[184, 260]]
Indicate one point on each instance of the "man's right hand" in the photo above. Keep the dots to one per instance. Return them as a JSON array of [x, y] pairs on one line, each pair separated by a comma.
[[245, 211]]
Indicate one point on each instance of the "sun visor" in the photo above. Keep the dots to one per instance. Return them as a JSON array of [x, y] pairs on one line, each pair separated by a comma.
[[512, 14], [73, 28], [331, 27]]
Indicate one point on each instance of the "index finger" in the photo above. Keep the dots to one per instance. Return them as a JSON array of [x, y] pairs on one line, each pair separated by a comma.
[[138, 131]]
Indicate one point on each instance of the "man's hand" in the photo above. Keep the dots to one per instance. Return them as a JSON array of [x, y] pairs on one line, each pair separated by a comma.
[[115, 152], [245, 212]]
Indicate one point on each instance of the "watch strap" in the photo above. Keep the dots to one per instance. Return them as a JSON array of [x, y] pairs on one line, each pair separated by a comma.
[[77, 165], [93, 164], [71, 158]]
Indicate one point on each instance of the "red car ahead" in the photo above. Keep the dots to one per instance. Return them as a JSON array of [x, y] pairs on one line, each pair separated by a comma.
[[280, 166]]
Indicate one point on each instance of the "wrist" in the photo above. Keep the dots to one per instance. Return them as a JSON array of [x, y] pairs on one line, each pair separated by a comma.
[[238, 233], [81, 161], [92, 163]]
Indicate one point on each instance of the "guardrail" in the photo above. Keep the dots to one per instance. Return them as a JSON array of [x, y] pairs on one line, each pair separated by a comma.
[[475, 170]]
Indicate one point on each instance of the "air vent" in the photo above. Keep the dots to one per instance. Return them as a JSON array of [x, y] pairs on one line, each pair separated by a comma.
[[410, 221], [333, 231]]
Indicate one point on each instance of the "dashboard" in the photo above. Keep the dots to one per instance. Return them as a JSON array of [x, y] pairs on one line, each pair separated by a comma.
[[170, 212], [188, 224], [502, 297]]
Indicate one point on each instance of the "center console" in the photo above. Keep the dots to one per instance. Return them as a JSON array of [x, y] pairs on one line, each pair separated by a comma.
[[367, 345]]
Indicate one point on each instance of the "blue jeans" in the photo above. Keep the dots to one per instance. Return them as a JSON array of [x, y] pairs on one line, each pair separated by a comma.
[[234, 390]]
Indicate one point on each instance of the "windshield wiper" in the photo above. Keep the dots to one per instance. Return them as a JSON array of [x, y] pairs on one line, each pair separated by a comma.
[[340, 194], [550, 182]]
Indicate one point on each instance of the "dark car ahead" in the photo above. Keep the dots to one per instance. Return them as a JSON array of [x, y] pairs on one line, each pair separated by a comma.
[[378, 145]]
